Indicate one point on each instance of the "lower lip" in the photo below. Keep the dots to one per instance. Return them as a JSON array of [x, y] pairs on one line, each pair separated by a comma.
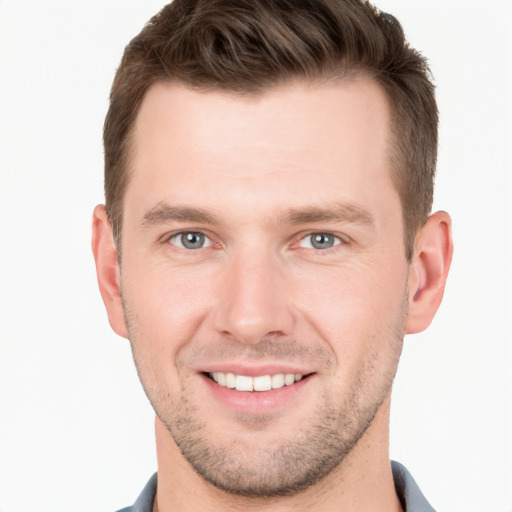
[[256, 402]]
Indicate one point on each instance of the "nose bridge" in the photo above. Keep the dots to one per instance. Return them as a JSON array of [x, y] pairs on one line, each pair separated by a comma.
[[251, 304]]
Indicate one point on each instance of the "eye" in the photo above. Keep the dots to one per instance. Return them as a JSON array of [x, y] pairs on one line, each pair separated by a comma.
[[320, 241], [190, 240]]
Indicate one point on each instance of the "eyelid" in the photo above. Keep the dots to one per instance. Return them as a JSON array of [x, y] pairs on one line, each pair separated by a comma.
[[209, 242], [168, 237], [340, 239]]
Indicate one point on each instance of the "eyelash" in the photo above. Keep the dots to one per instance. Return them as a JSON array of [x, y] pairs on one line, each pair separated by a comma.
[[338, 240], [181, 234]]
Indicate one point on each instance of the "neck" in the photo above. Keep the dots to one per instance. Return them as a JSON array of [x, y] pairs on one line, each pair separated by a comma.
[[362, 482]]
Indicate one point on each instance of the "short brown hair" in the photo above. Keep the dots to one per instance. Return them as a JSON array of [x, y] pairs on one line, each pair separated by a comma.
[[250, 46]]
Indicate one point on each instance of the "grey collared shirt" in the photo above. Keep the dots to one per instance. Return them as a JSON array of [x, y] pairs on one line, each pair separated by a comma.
[[406, 488]]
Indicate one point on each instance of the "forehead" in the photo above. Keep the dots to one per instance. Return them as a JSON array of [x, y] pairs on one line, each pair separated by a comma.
[[297, 140]]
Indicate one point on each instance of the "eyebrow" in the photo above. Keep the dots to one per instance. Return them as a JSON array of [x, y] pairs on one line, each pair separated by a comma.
[[351, 213], [162, 213], [330, 213]]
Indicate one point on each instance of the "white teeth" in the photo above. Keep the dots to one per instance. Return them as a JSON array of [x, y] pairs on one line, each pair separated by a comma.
[[263, 383], [260, 383], [244, 383], [277, 381], [230, 380], [221, 378], [289, 379]]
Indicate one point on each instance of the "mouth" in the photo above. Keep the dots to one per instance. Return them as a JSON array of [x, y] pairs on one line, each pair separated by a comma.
[[258, 383], [259, 391]]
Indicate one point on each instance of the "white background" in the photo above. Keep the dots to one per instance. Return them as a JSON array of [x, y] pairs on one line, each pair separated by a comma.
[[76, 431]]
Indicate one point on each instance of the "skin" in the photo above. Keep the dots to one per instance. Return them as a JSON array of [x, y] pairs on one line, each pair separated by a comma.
[[266, 173]]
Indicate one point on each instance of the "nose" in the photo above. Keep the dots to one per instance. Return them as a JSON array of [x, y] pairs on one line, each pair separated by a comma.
[[254, 300]]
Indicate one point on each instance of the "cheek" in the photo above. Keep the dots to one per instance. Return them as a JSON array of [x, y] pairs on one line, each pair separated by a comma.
[[163, 311], [166, 305], [354, 307]]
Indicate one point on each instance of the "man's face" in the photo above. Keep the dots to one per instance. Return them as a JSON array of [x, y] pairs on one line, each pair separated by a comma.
[[262, 247]]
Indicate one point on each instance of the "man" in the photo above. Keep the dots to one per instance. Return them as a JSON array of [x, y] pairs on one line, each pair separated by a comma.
[[265, 245]]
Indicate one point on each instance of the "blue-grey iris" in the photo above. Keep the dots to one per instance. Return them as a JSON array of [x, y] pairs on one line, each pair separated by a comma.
[[322, 240], [192, 240]]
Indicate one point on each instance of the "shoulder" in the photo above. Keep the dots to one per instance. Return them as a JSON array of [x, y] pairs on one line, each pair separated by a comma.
[[407, 489], [144, 502]]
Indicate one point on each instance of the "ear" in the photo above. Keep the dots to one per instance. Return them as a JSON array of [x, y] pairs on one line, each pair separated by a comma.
[[428, 271], [107, 270]]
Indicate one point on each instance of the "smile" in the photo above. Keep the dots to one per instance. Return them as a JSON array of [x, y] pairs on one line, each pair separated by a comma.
[[260, 383]]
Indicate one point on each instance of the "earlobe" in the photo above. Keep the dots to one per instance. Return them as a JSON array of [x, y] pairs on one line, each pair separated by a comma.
[[107, 270], [428, 271]]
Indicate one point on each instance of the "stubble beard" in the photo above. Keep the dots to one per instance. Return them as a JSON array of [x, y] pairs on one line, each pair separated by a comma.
[[289, 466], [265, 471]]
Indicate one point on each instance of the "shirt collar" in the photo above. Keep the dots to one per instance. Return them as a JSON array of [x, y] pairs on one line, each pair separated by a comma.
[[407, 490]]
